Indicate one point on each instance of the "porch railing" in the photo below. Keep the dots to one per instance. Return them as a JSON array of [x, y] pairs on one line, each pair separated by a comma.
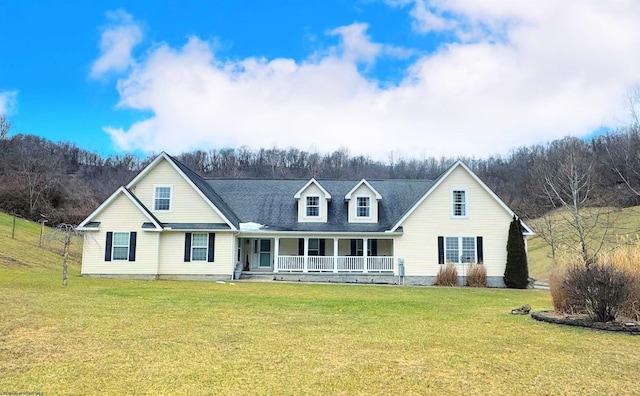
[[335, 264]]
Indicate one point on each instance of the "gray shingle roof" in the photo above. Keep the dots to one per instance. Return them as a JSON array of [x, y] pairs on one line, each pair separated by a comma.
[[271, 202]]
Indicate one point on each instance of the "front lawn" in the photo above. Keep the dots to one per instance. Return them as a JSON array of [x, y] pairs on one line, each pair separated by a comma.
[[105, 336]]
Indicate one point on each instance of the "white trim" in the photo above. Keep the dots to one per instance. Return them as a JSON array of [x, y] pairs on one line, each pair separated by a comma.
[[327, 196], [165, 156], [155, 188], [477, 179], [206, 246], [347, 197], [113, 246], [307, 206], [460, 249], [107, 202], [369, 209]]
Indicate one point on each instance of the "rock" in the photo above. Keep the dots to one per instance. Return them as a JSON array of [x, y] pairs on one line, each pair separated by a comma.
[[523, 310]]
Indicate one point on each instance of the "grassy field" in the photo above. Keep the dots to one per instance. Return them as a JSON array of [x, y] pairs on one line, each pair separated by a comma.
[[105, 336], [626, 224]]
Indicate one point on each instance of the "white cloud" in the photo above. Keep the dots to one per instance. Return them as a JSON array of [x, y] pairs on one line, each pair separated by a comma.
[[7, 101], [119, 37], [520, 73]]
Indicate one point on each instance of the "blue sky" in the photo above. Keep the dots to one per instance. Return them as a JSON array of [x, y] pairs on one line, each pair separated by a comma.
[[416, 77]]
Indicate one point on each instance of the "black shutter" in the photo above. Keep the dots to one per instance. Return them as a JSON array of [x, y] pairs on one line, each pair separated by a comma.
[[322, 246], [440, 250], [374, 247], [132, 246], [108, 245], [479, 251], [300, 246], [212, 244], [187, 247], [354, 247]]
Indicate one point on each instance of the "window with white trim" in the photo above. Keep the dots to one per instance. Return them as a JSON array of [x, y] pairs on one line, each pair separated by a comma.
[[460, 250], [199, 245], [459, 203], [120, 246], [363, 207], [162, 199], [313, 206]]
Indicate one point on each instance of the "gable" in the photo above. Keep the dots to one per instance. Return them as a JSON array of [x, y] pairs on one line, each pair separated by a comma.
[[482, 203], [121, 213], [363, 190], [187, 205]]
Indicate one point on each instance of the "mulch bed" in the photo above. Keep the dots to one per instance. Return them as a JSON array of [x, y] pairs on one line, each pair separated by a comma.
[[584, 321]]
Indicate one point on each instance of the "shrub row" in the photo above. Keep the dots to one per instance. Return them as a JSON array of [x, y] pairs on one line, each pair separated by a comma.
[[476, 275]]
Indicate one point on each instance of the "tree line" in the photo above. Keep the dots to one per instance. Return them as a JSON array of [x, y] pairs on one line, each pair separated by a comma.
[[65, 183]]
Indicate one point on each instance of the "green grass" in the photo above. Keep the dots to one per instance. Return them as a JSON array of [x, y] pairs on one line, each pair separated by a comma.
[[626, 225], [106, 336]]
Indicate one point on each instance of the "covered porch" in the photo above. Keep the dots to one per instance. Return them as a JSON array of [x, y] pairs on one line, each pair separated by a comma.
[[317, 255]]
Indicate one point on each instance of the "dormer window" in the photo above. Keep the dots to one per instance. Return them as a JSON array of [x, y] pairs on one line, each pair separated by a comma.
[[459, 203], [162, 199], [363, 207], [313, 206]]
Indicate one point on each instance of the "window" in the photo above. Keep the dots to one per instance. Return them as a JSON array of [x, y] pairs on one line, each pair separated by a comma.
[[120, 246], [162, 199], [313, 206], [459, 199], [363, 207], [199, 243], [460, 249], [199, 247], [314, 247]]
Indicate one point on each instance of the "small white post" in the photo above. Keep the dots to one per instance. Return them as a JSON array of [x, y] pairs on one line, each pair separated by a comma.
[[276, 254]]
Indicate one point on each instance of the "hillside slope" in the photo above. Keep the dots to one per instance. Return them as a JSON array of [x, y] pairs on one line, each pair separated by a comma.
[[23, 250], [625, 228]]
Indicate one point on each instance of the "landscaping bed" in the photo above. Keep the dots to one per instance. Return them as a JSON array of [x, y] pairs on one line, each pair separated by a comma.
[[584, 321]]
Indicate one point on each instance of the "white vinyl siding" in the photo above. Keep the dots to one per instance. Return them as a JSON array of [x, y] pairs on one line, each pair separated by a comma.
[[486, 218], [121, 216], [171, 256], [187, 206], [363, 206], [312, 205]]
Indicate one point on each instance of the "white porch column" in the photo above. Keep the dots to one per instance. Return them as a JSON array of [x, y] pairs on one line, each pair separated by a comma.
[[306, 255], [335, 254], [276, 254], [365, 247]]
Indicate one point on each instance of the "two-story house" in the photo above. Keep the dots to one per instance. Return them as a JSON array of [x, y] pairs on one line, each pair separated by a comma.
[[169, 222]]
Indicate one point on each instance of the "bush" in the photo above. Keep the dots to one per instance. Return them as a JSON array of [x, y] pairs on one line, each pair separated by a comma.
[[627, 259], [447, 276], [602, 288], [562, 302], [516, 273], [477, 276]]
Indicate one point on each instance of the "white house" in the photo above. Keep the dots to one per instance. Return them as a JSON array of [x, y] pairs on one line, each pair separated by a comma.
[[168, 222]]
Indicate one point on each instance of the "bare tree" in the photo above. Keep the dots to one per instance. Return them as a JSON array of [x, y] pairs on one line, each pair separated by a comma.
[[570, 181], [5, 127]]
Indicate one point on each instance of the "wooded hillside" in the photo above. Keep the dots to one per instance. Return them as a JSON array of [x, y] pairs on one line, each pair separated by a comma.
[[65, 183]]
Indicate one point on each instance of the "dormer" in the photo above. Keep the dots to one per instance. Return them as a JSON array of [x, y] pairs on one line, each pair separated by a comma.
[[313, 203], [363, 203]]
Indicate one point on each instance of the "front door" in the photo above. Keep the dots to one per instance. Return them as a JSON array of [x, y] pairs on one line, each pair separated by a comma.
[[264, 252]]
